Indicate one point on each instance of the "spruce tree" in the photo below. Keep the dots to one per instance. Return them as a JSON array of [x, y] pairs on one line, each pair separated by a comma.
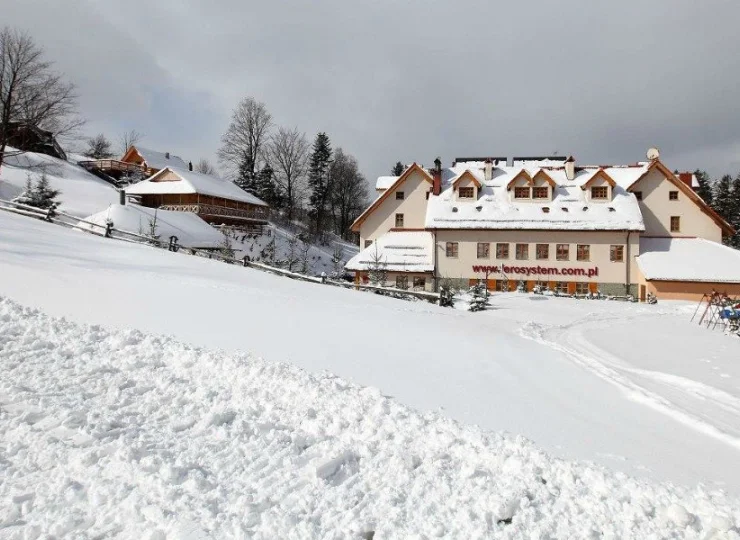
[[246, 178], [398, 169], [319, 181], [722, 199], [734, 212], [266, 187], [705, 186]]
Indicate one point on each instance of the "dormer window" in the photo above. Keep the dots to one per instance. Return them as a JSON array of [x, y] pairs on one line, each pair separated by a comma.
[[600, 192], [466, 192], [540, 192], [521, 193]]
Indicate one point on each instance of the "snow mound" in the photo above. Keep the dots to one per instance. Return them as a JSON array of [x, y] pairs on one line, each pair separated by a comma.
[[81, 193], [122, 433], [191, 231]]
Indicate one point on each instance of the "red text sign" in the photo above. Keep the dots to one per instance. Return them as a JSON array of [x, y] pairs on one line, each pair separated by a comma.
[[536, 270]]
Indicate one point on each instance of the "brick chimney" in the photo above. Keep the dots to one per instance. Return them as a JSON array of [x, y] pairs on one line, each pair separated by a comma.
[[686, 178], [437, 177]]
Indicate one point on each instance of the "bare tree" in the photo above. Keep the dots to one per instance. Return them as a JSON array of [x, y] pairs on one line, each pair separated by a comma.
[[98, 147], [348, 191], [287, 152], [242, 146], [377, 267], [127, 139], [31, 92], [204, 167]]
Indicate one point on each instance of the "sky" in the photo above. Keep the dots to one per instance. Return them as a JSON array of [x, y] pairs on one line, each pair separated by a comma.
[[410, 80]]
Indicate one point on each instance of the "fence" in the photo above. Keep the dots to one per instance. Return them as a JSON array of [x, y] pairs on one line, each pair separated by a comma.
[[109, 231]]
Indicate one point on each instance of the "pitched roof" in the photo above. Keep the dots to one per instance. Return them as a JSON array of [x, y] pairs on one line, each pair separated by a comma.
[[192, 182], [599, 174], [469, 175], [688, 259], [383, 196], [155, 159], [399, 251]]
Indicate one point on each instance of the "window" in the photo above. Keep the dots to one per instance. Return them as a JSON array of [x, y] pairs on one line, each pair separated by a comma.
[[638, 195], [521, 193], [581, 288], [540, 193], [616, 253], [400, 195], [583, 252], [561, 287], [399, 220], [502, 251], [675, 223], [451, 250], [562, 252], [466, 192], [402, 282], [419, 282], [484, 250], [368, 243], [673, 195], [428, 192], [522, 252], [543, 251], [600, 192]]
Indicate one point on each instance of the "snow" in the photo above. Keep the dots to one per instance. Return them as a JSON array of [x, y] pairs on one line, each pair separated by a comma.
[[81, 193], [688, 259], [109, 430], [191, 231], [159, 160], [400, 251], [122, 433], [193, 182], [384, 182], [495, 208]]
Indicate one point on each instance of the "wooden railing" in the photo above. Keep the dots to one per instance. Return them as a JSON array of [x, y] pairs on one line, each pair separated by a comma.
[[215, 210], [111, 165]]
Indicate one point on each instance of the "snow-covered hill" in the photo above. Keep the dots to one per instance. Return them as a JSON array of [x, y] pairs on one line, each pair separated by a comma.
[[81, 193]]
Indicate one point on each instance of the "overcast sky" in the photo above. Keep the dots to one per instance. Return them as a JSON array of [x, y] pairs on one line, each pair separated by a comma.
[[410, 79]]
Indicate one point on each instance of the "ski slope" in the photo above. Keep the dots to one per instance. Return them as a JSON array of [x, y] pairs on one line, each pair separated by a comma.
[[236, 445]]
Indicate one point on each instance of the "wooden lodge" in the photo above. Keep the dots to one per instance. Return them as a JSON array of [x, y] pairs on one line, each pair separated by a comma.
[[137, 161], [215, 200]]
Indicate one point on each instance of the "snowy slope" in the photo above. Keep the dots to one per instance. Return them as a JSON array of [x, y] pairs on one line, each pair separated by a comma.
[[81, 193], [554, 370], [123, 434]]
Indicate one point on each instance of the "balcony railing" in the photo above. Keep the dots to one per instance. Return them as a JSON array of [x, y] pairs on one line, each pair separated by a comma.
[[107, 165], [214, 210]]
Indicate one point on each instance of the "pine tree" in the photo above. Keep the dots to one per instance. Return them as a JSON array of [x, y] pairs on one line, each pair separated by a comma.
[[245, 178], [318, 180], [398, 169], [733, 209], [705, 186], [267, 189], [226, 247], [40, 195], [722, 197]]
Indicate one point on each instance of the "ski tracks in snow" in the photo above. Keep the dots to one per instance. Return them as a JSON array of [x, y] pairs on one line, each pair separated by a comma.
[[706, 409]]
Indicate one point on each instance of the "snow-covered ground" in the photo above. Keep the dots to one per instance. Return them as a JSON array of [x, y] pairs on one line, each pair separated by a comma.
[[143, 432], [81, 193]]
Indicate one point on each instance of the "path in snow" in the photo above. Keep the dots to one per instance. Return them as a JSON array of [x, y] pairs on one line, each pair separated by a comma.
[[475, 367], [126, 434]]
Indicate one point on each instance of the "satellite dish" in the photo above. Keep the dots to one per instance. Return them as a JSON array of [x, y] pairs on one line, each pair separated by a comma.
[[653, 154]]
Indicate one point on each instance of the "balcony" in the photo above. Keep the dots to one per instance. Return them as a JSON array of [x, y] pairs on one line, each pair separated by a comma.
[[214, 211]]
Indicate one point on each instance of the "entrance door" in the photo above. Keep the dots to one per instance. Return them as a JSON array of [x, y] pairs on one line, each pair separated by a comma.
[[643, 293]]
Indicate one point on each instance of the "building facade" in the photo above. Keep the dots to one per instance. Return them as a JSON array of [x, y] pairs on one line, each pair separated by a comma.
[[575, 229]]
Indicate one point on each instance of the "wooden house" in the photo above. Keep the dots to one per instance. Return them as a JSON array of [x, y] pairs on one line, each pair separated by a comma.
[[215, 200]]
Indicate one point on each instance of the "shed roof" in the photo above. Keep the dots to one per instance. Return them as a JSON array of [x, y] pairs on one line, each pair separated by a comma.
[[399, 251], [688, 259]]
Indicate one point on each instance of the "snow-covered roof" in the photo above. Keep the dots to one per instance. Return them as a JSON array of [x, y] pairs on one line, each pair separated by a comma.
[[399, 251], [192, 182], [159, 160], [190, 230], [688, 259], [568, 210], [384, 182]]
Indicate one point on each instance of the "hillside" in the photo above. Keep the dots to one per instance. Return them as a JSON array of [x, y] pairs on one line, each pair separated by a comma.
[[146, 436]]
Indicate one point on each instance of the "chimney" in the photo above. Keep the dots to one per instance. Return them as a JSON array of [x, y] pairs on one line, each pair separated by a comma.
[[190, 165], [686, 178], [121, 197], [570, 168], [488, 169], [167, 155], [437, 176]]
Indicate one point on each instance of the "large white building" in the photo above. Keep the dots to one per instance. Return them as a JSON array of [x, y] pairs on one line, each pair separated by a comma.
[[627, 229]]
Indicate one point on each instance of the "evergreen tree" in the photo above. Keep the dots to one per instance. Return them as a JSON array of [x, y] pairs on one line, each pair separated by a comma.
[[398, 169], [267, 189], [319, 181], [246, 178], [40, 195], [226, 247], [705, 186], [722, 197], [734, 211]]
